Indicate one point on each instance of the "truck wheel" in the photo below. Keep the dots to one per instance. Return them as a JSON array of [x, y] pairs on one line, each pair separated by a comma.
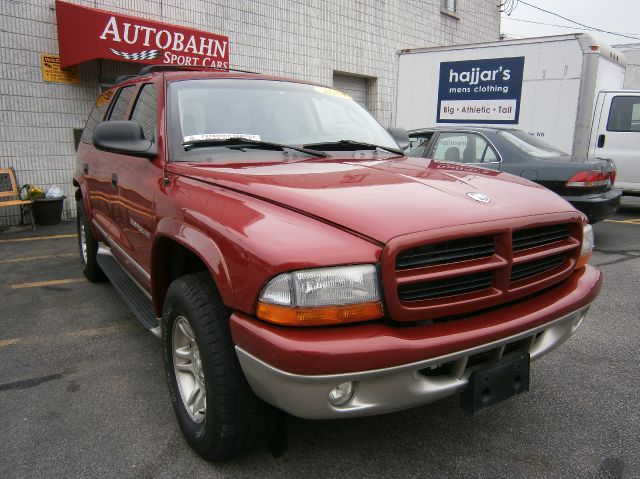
[[88, 247], [217, 411]]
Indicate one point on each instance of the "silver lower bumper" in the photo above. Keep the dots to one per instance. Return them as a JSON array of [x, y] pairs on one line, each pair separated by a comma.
[[399, 387]]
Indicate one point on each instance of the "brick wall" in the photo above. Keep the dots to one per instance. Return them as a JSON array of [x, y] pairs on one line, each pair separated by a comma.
[[307, 39]]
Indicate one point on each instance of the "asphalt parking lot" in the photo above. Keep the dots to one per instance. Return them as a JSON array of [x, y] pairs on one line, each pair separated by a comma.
[[83, 394]]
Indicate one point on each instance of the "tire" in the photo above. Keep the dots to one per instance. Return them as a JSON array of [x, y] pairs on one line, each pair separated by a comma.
[[88, 247], [231, 420]]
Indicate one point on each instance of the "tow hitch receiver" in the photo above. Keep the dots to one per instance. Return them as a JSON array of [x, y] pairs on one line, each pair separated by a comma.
[[496, 382]]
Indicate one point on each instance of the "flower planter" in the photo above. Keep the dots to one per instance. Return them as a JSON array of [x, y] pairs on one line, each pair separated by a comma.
[[47, 211]]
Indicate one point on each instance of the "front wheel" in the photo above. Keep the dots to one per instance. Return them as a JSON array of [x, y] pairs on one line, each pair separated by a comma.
[[217, 411]]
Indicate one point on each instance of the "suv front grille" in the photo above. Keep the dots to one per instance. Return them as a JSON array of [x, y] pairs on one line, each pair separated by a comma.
[[450, 277], [446, 252], [533, 237], [446, 287], [527, 270]]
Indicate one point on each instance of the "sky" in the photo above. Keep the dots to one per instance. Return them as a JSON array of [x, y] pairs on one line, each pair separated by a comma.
[[620, 16]]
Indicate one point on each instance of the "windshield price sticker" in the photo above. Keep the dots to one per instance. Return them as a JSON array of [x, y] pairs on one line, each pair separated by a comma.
[[480, 91], [221, 136]]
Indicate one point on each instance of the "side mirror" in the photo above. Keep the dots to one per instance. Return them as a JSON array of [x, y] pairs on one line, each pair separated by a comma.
[[124, 137], [401, 136]]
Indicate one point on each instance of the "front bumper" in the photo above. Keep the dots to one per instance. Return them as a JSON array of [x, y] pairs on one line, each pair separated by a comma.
[[401, 366], [597, 206], [400, 387]]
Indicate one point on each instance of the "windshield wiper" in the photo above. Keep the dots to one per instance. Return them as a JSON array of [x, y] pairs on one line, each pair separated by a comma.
[[351, 144], [239, 142]]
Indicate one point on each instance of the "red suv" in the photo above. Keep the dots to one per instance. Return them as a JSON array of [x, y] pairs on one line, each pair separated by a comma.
[[291, 257]]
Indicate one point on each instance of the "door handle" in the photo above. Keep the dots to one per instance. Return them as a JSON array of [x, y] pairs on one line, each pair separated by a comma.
[[601, 139], [114, 180]]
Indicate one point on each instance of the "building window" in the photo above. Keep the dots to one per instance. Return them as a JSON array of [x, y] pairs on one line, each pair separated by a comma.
[[449, 7]]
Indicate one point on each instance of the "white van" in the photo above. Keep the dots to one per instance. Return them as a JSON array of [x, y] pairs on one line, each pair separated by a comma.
[[616, 135]]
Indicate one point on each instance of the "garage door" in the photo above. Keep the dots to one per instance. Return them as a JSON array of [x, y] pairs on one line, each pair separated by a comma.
[[356, 87]]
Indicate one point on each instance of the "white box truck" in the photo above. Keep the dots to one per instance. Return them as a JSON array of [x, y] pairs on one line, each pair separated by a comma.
[[546, 86]]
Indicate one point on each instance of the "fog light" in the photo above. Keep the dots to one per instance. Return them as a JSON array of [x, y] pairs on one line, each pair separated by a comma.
[[341, 394]]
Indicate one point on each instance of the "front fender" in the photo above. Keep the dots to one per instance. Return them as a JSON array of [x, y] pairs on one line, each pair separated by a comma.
[[203, 246]]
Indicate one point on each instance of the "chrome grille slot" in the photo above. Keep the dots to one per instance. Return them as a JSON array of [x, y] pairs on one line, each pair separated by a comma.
[[531, 268], [446, 252], [534, 237], [446, 287]]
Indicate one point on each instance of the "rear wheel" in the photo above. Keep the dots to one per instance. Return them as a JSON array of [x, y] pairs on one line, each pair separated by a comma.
[[88, 247], [217, 411]]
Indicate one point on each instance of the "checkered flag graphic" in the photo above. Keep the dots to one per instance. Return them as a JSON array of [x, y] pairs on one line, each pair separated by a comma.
[[144, 55]]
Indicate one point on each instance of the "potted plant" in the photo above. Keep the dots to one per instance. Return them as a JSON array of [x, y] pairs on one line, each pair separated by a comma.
[[46, 210]]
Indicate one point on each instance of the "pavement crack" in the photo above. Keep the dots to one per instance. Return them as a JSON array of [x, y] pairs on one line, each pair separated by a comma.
[[629, 252], [29, 383], [627, 255]]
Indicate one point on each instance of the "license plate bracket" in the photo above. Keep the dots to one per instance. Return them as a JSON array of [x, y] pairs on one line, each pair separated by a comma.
[[496, 382]]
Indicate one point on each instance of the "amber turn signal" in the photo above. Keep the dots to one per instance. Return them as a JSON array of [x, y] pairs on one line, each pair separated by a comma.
[[319, 316], [583, 260]]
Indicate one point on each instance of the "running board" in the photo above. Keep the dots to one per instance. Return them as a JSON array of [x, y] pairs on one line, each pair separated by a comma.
[[137, 300]]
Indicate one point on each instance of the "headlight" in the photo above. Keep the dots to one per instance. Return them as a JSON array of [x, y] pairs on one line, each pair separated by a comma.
[[320, 296], [588, 244]]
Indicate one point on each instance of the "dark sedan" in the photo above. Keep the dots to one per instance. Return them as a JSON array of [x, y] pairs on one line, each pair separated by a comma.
[[587, 186]]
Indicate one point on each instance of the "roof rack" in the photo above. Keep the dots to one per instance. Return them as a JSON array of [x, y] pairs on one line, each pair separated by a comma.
[[145, 70], [122, 78]]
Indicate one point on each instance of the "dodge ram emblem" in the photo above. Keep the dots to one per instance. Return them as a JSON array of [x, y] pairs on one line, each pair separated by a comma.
[[479, 197]]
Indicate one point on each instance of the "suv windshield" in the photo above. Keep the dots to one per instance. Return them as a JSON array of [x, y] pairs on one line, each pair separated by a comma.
[[268, 111], [529, 144]]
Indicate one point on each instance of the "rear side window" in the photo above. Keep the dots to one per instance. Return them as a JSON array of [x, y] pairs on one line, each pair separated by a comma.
[[119, 109], [463, 147], [624, 114], [144, 111], [96, 116]]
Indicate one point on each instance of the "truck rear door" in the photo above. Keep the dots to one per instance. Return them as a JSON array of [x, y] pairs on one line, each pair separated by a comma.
[[618, 136]]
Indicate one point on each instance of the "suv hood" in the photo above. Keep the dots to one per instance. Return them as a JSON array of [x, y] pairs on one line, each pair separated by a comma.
[[382, 199]]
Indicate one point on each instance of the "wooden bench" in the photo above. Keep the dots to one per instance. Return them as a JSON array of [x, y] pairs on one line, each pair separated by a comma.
[[9, 188]]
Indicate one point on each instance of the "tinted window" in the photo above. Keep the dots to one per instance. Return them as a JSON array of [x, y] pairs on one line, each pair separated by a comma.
[[119, 110], [97, 115], [484, 152], [144, 111], [624, 114], [418, 144], [529, 144], [463, 147]]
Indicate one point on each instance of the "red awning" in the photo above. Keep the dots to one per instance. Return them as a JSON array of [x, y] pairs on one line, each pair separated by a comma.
[[87, 33]]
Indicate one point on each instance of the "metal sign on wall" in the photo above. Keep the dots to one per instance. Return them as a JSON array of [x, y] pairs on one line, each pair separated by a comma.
[[480, 91], [52, 72], [87, 33]]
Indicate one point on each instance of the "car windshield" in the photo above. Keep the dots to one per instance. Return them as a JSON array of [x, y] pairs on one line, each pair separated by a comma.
[[529, 144], [212, 111]]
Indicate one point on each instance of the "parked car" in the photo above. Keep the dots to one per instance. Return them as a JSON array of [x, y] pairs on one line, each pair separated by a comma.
[[291, 257], [587, 186]]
